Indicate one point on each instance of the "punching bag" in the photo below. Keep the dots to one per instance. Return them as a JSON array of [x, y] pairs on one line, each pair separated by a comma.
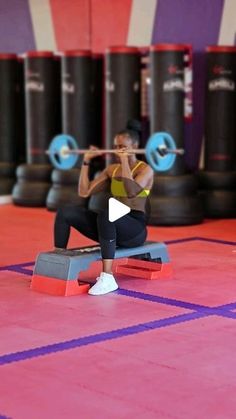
[[167, 95], [41, 91], [220, 125], [122, 89], [77, 121], [174, 199], [20, 117], [42, 98], [8, 112], [97, 98], [218, 180], [77, 96]]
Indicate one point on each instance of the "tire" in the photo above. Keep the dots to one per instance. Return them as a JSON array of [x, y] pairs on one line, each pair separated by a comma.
[[175, 185], [217, 180], [219, 203], [30, 194], [60, 195], [34, 172], [6, 186], [7, 169], [67, 177], [174, 211]]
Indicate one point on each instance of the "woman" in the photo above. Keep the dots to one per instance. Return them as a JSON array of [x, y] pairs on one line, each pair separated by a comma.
[[130, 182]]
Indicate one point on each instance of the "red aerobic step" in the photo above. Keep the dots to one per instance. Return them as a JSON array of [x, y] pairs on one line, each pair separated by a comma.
[[54, 286], [145, 269]]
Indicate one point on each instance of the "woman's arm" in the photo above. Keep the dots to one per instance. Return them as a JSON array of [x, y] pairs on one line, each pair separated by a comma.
[[87, 187], [134, 185]]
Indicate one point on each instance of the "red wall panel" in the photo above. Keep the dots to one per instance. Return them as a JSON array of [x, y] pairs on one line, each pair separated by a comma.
[[71, 23], [109, 23]]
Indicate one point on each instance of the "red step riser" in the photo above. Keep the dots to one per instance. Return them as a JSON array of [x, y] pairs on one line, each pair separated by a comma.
[[60, 287], [152, 270]]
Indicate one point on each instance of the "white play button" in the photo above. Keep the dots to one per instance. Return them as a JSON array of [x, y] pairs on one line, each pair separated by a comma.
[[116, 209]]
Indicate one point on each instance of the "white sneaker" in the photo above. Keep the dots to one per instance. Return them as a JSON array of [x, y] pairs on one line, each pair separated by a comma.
[[105, 283]]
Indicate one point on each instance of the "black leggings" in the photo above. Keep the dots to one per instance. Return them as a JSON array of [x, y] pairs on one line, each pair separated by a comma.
[[128, 231]]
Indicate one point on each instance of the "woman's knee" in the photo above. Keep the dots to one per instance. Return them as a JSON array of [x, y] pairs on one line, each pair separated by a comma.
[[106, 229], [62, 212], [135, 241], [103, 217], [68, 212]]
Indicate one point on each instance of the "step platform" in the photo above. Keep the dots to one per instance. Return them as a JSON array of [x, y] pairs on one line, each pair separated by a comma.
[[57, 272]]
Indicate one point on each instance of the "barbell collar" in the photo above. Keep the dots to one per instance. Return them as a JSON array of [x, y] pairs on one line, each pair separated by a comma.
[[178, 151]]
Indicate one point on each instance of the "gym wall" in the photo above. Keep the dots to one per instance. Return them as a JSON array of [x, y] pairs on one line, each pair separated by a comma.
[[97, 24]]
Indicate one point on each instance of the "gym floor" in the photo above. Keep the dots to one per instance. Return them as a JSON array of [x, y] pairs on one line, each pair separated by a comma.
[[153, 349]]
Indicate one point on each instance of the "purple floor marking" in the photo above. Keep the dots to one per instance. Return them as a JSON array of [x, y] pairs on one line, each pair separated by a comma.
[[180, 241], [17, 266], [200, 311], [209, 311], [218, 310], [20, 271], [228, 314], [160, 300], [228, 307], [100, 337], [170, 301], [169, 242], [227, 242]]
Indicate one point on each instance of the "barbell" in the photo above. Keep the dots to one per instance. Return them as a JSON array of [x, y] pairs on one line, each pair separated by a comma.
[[160, 151]]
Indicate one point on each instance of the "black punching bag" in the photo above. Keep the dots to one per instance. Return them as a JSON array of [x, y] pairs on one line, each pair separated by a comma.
[[97, 97], [167, 95], [41, 104], [218, 180], [220, 125], [42, 98], [77, 96], [174, 199], [122, 89], [20, 117], [77, 121], [8, 112]]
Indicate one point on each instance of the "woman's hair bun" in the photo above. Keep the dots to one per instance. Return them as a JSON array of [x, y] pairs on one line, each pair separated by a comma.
[[134, 125]]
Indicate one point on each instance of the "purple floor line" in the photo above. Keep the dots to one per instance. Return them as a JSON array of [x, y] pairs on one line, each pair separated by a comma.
[[171, 302], [160, 300], [218, 310], [200, 312], [100, 337], [180, 241], [17, 266], [169, 242], [21, 271], [228, 314], [228, 307], [205, 239]]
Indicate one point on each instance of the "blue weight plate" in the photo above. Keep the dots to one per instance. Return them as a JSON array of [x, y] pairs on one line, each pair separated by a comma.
[[159, 162], [59, 144]]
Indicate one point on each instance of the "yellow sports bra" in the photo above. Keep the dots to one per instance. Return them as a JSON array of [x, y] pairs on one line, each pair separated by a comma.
[[117, 186]]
